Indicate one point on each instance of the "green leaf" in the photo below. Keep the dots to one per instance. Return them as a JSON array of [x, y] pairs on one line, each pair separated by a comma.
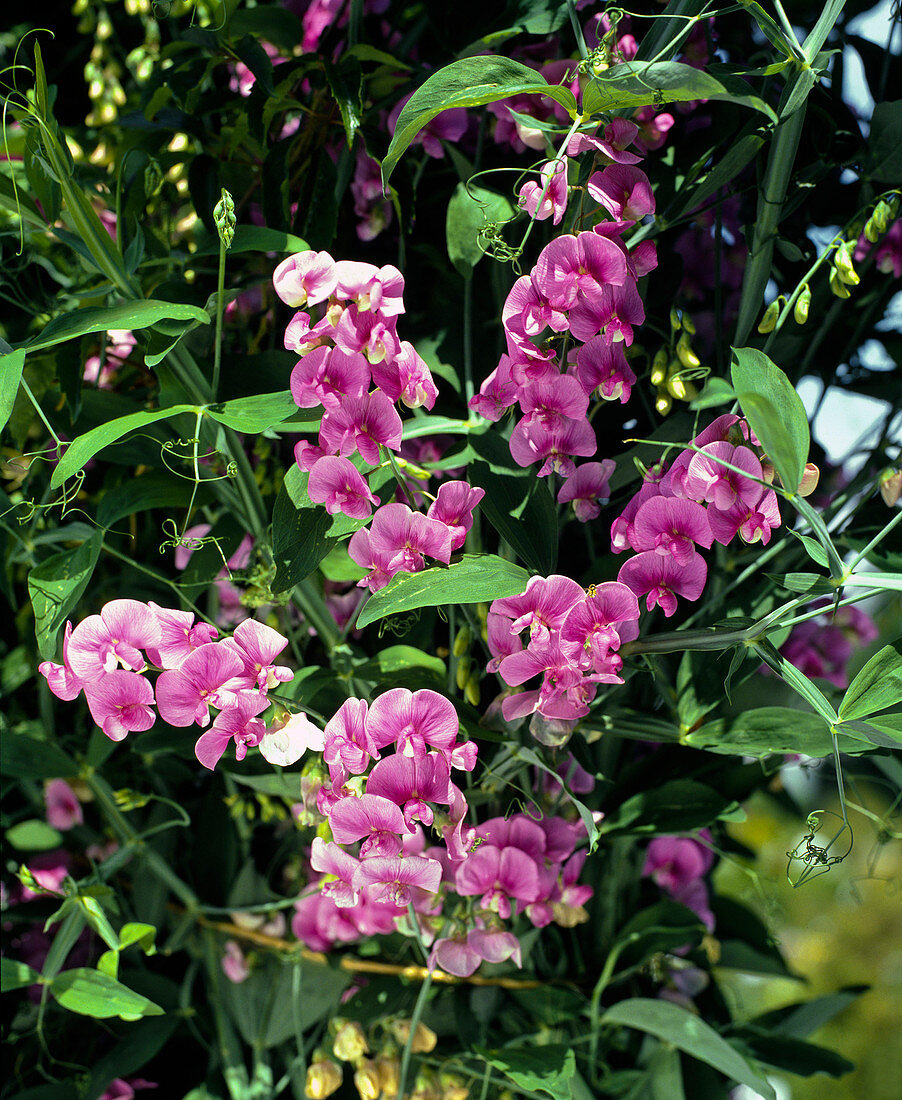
[[642, 83], [814, 549], [814, 583], [885, 144], [400, 658], [15, 975], [141, 934], [877, 686], [800, 1020], [770, 28], [547, 1069], [136, 314], [770, 730], [775, 412], [717, 391], [472, 208], [155, 489], [55, 587], [25, 757], [11, 365], [476, 578], [84, 447], [796, 679], [672, 1024], [345, 83], [884, 730], [299, 540], [90, 993], [254, 414], [522, 752], [793, 1055], [254, 238], [470, 82], [33, 836]]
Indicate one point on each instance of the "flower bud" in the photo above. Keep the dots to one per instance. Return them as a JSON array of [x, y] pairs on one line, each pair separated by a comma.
[[890, 484], [838, 287], [323, 1078], [389, 1068], [424, 1038], [463, 671], [366, 1081], [809, 481], [688, 323], [471, 691], [224, 217], [769, 321], [349, 1043], [675, 321], [803, 303], [842, 264], [681, 389], [659, 367], [462, 641], [663, 403], [685, 354]]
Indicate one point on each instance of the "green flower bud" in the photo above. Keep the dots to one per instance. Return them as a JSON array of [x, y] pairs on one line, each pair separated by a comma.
[[769, 321], [224, 217], [685, 354], [659, 368], [837, 285], [803, 302], [462, 641], [676, 322], [842, 263]]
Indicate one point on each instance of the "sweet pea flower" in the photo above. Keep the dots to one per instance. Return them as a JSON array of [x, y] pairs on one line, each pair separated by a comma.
[[548, 198], [661, 579], [326, 376], [406, 378], [208, 676], [599, 623], [121, 702], [62, 806], [258, 645], [61, 680], [348, 743], [587, 486], [708, 479], [572, 266], [239, 723], [364, 331], [332, 860], [497, 393], [612, 147], [399, 879], [668, 525], [412, 782], [453, 506], [179, 636], [499, 875], [286, 741], [380, 289], [624, 191], [753, 523], [542, 608], [336, 483], [100, 643], [601, 368], [377, 819], [362, 424], [555, 448], [305, 279], [411, 720]]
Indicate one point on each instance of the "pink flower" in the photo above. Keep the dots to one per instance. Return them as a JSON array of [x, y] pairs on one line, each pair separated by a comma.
[[234, 964], [412, 783], [553, 186], [336, 483], [499, 875], [362, 424], [570, 267], [453, 506], [618, 134], [63, 808], [542, 608], [671, 526], [61, 680], [599, 623], [100, 643], [624, 191], [411, 720], [185, 694], [371, 207], [406, 378], [179, 636], [530, 442], [398, 541], [601, 368], [238, 723], [367, 332], [377, 819], [347, 741], [661, 579], [399, 879], [305, 279], [326, 376], [587, 486], [709, 480], [753, 523], [380, 289], [121, 702]]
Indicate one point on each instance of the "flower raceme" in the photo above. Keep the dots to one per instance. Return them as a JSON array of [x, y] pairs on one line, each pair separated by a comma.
[[109, 655]]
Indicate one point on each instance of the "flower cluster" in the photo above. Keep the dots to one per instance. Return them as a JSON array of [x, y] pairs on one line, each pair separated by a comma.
[[378, 863], [566, 635], [107, 656], [711, 492], [581, 294]]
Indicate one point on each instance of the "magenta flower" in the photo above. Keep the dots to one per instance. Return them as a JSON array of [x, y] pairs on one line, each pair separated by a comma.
[[653, 128], [555, 448], [366, 332], [377, 819], [380, 289], [362, 424], [624, 191], [553, 185], [661, 579], [61, 680], [497, 393], [599, 623], [63, 808], [527, 312], [234, 966], [258, 645], [302, 337], [586, 488], [613, 311], [753, 523], [727, 428], [335, 482], [709, 480], [206, 677], [655, 483], [411, 720], [305, 279], [553, 402], [572, 266], [450, 125], [668, 525], [100, 643], [239, 723], [601, 368], [348, 743], [326, 376], [412, 782], [331, 860], [121, 702], [453, 506], [618, 134], [398, 540], [517, 831], [179, 636], [542, 608], [499, 875], [399, 879], [406, 378]]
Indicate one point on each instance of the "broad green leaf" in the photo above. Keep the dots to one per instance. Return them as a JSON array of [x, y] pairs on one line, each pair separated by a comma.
[[476, 578], [15, 975], [137, 314], [141, 934], [877, 686], [469, 211], [254, 414], [91, 993], [98, 920], [793, 1055], [770, 28], [800, 1020], [11, 365], [884, 730], [666, 1075], [400, 658], [642, 83], [84, 447], [885, 143], [33, 836], [546, 1069], [796, 679], [717, 391], [346, 83], [769, 730], [155, 489], [677, 806], [25, 757], [672, 1024], [299, 540], [775, 412], [532, 757], [55, 587], [255, 238], [814, 583], [470, 82], [814, 549]]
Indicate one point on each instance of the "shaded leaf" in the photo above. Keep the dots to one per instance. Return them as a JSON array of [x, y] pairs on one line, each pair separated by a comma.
[[33, 836], [770, 730], [11, 365], [885, 143], [547, 1069], [55, 587], [137, 314], [299, 540], [15, 975], [469, 211], [25, 757], [680, 805], [877, 686], [254, 414], [91, 993]]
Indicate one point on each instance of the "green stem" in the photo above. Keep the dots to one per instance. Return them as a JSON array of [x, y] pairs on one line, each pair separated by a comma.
[[469, 387], [874, 541], [422, 998], [220, 306], [577, 30], [40, 412]]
